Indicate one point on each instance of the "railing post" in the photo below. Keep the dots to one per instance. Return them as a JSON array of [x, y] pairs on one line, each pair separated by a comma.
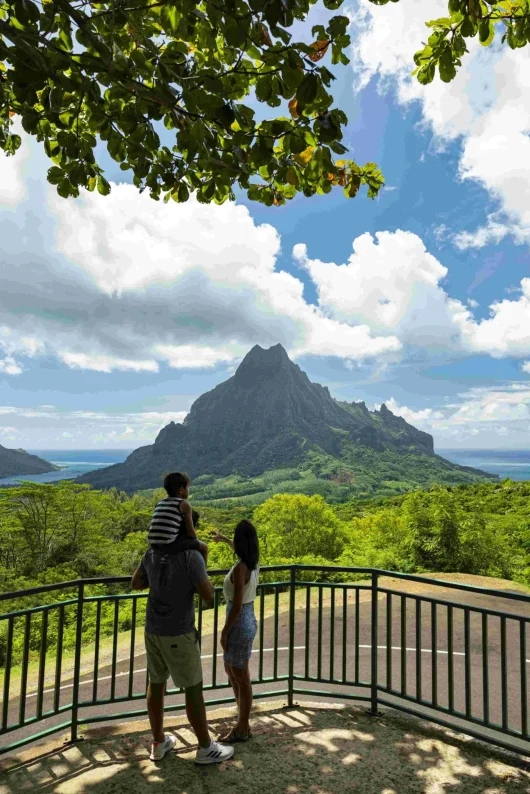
[[77, 663], [292, 605], [374, 651]]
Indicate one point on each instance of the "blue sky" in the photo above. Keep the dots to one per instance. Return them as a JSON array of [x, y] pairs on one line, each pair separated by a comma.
[[117, 313]]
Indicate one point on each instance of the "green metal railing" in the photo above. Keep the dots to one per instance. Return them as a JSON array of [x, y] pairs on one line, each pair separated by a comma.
[[454, 662]]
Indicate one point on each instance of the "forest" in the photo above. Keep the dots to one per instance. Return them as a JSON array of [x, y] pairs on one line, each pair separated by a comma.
[[56, 533]]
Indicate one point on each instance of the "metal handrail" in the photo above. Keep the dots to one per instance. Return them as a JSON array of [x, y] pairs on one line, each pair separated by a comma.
[[74, 583], [380, 689]]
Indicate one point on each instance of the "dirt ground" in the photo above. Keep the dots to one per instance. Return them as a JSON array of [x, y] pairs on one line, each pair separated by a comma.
[[308, 749]]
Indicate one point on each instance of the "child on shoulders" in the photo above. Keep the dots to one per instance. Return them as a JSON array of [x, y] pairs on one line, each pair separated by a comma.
[[172, 527]]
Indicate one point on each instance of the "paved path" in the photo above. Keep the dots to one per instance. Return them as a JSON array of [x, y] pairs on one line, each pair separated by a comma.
[[349, 662]]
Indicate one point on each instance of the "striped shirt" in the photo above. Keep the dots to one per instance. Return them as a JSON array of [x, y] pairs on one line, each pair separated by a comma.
[[166, 522]]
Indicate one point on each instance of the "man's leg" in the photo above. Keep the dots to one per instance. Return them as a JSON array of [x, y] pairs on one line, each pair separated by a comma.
[[155, 708], [196, 711]]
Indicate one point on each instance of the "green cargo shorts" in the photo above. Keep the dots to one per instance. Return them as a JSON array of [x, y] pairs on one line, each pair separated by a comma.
[[178, 656]]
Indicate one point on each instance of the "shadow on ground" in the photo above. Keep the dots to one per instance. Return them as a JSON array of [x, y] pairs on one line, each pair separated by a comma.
[[308, 749]]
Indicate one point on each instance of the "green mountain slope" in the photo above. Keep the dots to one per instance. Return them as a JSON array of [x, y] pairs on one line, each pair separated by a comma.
[[14, 462]]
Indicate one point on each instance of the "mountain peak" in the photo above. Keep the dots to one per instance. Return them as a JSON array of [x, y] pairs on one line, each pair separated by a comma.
[[267, 416], [258, 354], [263, 362]]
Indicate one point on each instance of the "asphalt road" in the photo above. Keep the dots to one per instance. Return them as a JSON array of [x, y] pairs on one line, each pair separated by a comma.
[[347, 661]]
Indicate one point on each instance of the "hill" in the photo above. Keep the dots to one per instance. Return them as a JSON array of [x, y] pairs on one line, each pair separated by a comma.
[[17, 461], [270, 416]]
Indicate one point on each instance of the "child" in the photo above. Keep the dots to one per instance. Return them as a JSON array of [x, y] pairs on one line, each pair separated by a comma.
[[172, 527]]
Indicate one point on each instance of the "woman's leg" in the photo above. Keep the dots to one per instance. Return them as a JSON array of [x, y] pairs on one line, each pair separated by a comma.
[[233, 682], [242, 678]]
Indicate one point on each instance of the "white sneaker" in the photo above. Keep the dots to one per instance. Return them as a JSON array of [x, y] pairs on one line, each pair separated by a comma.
[[214, 754], [159, 749]]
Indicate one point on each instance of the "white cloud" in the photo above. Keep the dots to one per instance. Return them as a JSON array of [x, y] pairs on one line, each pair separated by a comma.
[[40, 427], [496, 228], [506, 332], [390, 283], [526, 367], [9, 366], [125, 283], [487, 105], [192, 357], [412, 416], [393, 285], [476, 417], [11, 344], [441, 232], [106, 363]]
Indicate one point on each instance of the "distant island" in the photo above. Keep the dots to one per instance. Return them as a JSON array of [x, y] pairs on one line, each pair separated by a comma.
[[14, 462], [269, 417]]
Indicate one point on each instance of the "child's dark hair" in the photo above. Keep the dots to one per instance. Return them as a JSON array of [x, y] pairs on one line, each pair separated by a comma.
[[246, 544], [175, 480], [195, 518]]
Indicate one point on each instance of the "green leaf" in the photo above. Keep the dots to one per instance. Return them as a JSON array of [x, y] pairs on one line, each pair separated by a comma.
[[16, 141], [103, 186], [486, 32], [511, 37], [446, 66], [307, 90], [170, 17], [468, 28], [64, 188], [338, 148], [183, 192], [55, 174], [234, 33], [459, 46], [426, 73], [263, 89]]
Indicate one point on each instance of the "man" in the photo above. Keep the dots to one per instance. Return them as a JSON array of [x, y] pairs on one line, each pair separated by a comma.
[[172, 645]]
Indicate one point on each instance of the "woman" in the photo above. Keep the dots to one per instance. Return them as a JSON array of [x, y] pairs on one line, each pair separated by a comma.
[[240, 628]]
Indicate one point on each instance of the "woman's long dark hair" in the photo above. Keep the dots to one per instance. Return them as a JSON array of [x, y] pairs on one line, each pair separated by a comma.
[[246, 544]]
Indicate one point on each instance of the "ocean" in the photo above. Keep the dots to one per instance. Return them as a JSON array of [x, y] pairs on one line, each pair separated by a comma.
[[74, 462], [514, 464]]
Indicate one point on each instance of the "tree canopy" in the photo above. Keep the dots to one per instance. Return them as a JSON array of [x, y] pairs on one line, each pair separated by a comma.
[[162, 82]]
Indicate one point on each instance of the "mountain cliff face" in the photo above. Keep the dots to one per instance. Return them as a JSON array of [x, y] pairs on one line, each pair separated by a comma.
[[268, 415], [17, 461]]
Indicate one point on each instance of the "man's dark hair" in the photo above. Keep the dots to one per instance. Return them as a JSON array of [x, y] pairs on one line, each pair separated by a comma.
[[175, 480], [195, 518], [246, 544]]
